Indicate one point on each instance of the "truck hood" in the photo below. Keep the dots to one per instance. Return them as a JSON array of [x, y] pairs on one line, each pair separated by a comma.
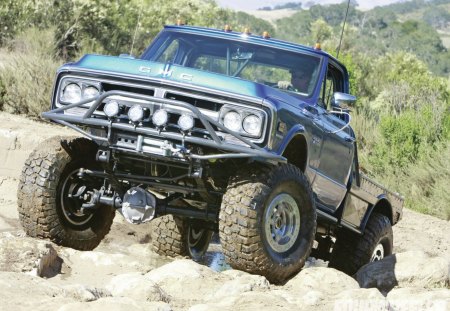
[[164, 74]]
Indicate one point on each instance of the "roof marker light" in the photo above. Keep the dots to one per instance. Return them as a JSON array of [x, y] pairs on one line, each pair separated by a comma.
[[227, 28], [266, 35], [180, 22], [247, 31], [317, 46]]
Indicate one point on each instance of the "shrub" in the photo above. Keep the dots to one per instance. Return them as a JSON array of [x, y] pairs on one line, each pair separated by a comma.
[[27, 77]]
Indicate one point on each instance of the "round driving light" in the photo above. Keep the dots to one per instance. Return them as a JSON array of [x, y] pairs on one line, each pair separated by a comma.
[[160, 117], [136, 113], [186, 122], [252, 125], [111, 109], [90, 92], [72, 93], [232, 120]]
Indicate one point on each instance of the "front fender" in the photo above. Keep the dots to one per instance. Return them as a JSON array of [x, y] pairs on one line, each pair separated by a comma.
[[295, 130]]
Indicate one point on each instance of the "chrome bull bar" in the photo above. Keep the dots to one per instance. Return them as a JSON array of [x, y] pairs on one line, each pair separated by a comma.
[[250, 150]]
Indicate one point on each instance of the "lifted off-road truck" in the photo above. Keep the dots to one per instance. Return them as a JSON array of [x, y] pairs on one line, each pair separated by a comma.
[[208, 131]]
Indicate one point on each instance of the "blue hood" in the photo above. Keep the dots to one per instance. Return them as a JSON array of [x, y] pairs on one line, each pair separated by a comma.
[[164, 73]]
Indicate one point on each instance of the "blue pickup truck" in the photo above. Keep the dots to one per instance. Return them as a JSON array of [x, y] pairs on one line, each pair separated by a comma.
[[209, 131]]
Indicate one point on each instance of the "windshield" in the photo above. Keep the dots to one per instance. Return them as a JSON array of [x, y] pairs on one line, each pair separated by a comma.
[[285, 70]]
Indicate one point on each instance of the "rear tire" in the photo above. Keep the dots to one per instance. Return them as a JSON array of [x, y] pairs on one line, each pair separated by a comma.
[[352, 251], [45, 208], [267, 222], [175, 236]]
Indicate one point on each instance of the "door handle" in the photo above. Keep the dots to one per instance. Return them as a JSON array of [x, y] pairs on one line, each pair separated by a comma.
[[349, 139]]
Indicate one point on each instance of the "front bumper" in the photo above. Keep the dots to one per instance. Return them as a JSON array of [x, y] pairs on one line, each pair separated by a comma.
[[158, 142]]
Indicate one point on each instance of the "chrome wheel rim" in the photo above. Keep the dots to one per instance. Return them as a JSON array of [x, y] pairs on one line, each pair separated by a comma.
[[378, 253], [282, 223]]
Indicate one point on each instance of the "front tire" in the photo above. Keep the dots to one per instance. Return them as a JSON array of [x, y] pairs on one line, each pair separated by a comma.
[[49, 179], [267, 222], [352, 251]]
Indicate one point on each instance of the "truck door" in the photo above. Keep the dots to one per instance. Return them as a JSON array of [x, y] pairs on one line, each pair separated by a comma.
[[330, 184]]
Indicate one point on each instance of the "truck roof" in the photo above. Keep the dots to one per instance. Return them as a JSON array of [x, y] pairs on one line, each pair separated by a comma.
[[252, 38]]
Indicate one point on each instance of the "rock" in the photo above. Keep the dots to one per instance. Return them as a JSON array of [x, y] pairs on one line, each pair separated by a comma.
[[359, 299], [31, 256], [313, 287], [79, 266], [179, 270], [84, 293], [185, 282], [240, 282], [405, 299], [117, 304], [19, 291], [409, 269], [326, 280], [136, 286], [249, 301]]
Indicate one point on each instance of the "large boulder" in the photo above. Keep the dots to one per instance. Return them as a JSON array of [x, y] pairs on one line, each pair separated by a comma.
[[19, 291], [249, 301], [136, 286], [31, 256], [314, 288], [326, 280], [409, 269], [185, 282], [358, 299], [405, 299], [239, 282]]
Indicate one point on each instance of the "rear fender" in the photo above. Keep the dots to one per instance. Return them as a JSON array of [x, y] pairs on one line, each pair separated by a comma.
[[382, 206]]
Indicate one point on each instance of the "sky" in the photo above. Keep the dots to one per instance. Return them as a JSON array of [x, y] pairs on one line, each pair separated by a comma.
[[256, 4]]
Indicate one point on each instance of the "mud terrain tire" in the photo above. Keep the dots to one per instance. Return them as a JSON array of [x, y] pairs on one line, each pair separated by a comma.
[[267, 221], [352, 251], [45, 175], [175, 236]]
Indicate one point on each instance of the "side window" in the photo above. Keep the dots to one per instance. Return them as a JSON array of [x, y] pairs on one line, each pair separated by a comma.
[[332, 83]]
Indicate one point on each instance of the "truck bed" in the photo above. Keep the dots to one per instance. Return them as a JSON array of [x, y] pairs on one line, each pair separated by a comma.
[[376, 190]]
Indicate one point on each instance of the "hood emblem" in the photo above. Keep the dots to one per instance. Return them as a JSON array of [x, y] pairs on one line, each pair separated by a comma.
[[145, 69], [186, 76]]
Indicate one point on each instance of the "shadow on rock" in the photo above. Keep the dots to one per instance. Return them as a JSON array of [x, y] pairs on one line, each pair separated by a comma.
[[409, 269]]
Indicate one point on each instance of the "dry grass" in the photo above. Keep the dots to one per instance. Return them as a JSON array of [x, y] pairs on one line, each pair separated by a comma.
[[27, 73]]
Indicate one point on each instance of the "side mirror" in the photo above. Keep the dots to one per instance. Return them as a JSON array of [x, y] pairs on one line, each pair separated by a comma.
[[342, 100]]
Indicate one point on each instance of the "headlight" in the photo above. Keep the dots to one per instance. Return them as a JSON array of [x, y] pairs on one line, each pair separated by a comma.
[[136, 113], [186, 122], [90, 92], [233, 121], [252, 124], [71, 93], [160, 117], [111, 109]]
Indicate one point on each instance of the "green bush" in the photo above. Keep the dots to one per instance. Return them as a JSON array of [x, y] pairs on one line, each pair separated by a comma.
[[26, 78]]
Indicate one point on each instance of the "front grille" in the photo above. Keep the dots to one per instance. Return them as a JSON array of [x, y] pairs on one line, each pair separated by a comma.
[[126, 88], [197, 102]]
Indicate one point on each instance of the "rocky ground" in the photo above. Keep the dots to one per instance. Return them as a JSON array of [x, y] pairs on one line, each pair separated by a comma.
[[124, 274]]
